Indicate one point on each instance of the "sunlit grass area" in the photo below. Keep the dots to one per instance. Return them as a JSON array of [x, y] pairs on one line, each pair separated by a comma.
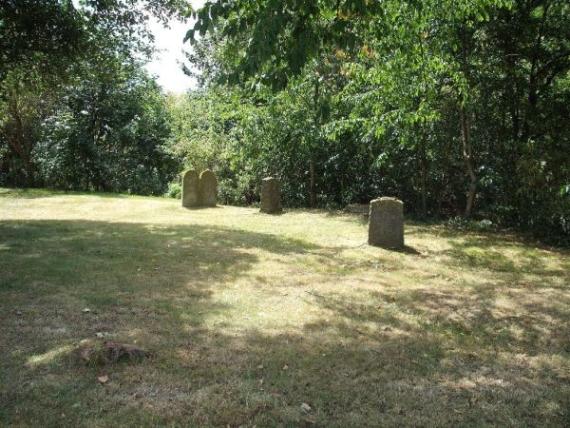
[[264, 320]]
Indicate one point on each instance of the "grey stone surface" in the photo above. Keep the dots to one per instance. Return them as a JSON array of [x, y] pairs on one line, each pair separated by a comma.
[[386, 227], [190, 189], [271, 196], [208, 189]]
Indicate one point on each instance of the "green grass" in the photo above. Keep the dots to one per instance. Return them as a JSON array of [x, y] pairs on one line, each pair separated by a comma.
[[249, 316]]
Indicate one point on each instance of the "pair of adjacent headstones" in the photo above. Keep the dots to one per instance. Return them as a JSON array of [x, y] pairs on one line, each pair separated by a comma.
[[386, 224], [199, 190]]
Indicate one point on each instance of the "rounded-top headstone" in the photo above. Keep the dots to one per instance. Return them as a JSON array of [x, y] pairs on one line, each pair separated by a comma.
[[386, 227], [208, 189], [270, 196], [190, 189]]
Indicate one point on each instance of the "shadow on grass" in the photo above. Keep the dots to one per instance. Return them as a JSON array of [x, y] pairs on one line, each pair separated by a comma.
[[405, 357], [57, 252], [460, 353], [508, 257], [406, 249], [31, 193], [28, 193], [117, 269], [202, 208]]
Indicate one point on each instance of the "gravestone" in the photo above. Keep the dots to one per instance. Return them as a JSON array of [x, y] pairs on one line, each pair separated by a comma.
[[386, 227], [208, 189], [270, 196], [190, 189]]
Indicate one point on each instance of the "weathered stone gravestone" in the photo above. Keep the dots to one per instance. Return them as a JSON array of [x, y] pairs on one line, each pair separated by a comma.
[[386, 227], [270, 196], [190, 189], [208, 189]]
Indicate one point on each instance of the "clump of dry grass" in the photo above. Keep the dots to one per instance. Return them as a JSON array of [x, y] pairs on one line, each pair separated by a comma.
[[108, 352], [273, 320]]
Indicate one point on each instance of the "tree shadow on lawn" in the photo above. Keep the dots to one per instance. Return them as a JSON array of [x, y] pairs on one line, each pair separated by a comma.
[[499, 253], [418, 357], [44, 249], [120, 271], [348, 376], [148, 282], [40, 193], [22, 193], [508, 259], [486, 237], [447, 358]]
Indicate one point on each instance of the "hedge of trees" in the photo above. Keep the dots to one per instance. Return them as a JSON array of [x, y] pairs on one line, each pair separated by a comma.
[[457, 107]]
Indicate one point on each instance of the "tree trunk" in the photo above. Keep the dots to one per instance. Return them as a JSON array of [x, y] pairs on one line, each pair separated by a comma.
[[18, 140], [467, 157], [424, 190], [312, 191], [465, 129], [423, 176], [317, 119]]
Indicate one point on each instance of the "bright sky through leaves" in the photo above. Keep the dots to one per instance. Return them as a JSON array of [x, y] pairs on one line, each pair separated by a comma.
[[167, 62], [166, 65]]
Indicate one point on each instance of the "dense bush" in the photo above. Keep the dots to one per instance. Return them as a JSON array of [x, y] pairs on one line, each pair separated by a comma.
[[115, 144]]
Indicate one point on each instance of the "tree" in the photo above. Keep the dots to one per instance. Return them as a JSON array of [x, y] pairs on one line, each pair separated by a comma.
[[47, 47]]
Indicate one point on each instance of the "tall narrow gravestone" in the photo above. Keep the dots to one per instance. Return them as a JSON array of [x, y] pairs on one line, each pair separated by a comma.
[[208, 189], [270, 196], [190, 189], [386, 227]]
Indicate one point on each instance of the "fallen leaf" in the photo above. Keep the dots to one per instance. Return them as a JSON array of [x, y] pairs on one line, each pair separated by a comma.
[[103, 379]]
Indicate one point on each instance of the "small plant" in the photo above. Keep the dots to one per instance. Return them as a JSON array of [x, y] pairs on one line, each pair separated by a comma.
[[458, 222], [174, 190], [103, 353], [484, 224]]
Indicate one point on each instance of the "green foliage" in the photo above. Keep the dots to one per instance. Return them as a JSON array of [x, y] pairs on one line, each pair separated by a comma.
[[455, 107], [113, 144], [174, 190], [76, 109], [42, 35], [207, 132]]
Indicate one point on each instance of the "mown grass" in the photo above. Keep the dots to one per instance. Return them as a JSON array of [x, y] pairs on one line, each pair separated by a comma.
[[249, 316]]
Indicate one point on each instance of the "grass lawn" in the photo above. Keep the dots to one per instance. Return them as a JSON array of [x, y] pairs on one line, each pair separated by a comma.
[[264, 320]]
